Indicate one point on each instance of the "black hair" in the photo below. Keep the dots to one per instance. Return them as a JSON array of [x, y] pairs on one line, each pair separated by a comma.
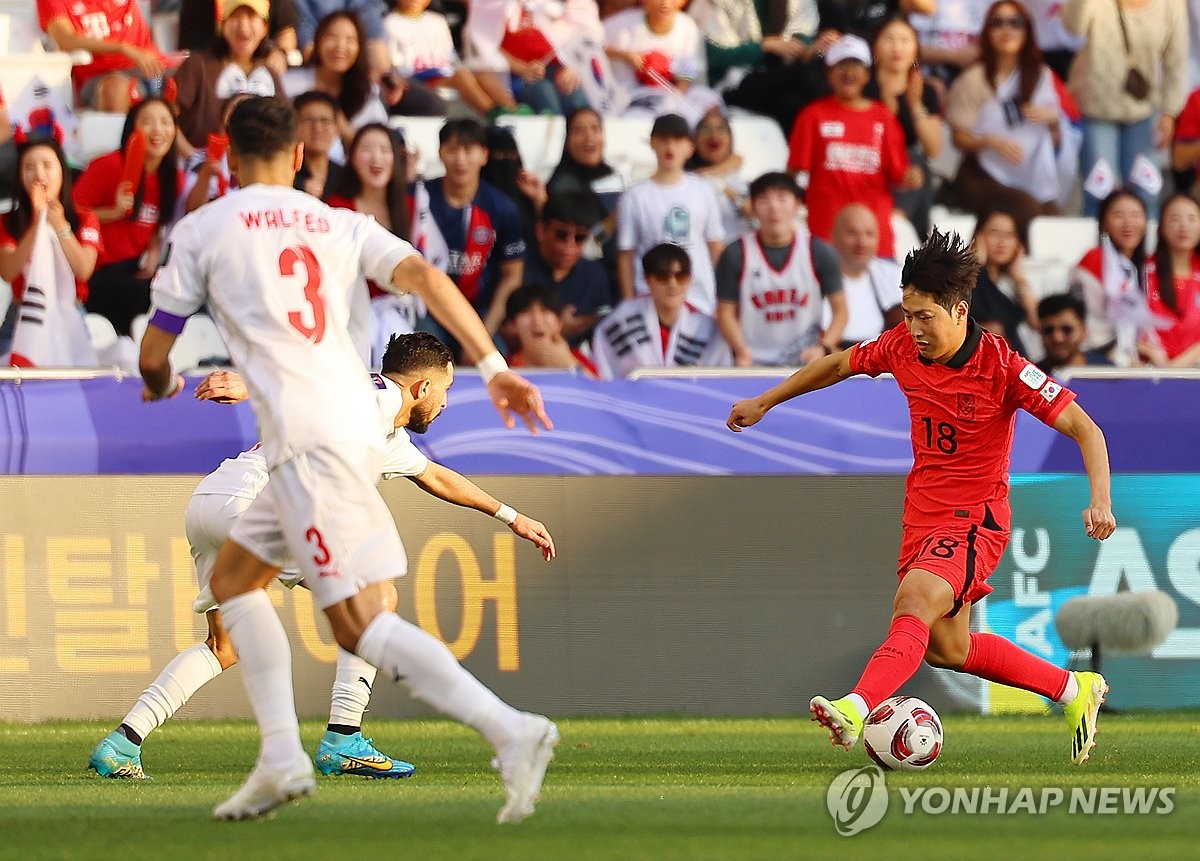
[[657, 262], [573, 207], [944, 267], [1138, 258], [1162, 256], [1056, 303], [355, 86], [525, 296], [586, 174], [20, 218], [350, 183], [168, 169], [415, 353], [315, 97], [262, 127], [697, 161], [772, 180], [1020, 225], [465, 131]]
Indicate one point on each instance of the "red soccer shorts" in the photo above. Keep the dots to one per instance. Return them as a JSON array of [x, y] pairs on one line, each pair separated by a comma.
[[962, 553]]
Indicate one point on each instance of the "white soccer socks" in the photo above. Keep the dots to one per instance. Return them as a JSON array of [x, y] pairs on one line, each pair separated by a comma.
[[187, 673], [430, 672], [351, 689], [266, 658]]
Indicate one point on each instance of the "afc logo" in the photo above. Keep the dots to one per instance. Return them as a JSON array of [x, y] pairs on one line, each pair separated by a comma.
[[966, 406]]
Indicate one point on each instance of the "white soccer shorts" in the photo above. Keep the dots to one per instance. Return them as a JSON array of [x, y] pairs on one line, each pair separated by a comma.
[[321, 513], [207, 522]]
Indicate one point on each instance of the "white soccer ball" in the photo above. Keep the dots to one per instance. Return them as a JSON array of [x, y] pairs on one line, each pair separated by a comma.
[[903, 733]]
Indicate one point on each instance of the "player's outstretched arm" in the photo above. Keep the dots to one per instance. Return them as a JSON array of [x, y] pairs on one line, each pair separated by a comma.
[[155, 365], [1098, 518], [819, 374], [448, 485], [512, 394]]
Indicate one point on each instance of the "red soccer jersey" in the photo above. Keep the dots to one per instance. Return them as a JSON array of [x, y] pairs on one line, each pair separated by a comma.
[[1180, 330], [125, 238], [963, 415], [103, 20], [851, 157]]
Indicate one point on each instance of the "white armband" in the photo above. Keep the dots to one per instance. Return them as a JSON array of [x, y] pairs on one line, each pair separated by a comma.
[[506, 514], [490, 365]]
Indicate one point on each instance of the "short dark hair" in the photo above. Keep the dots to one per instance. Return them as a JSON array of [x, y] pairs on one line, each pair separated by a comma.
[[657, 262], [944, 267], [525, 296], [414, 353], [775, 180], [262, 127], [465, 131], [1056, 303], [573, 207], [315, 97]]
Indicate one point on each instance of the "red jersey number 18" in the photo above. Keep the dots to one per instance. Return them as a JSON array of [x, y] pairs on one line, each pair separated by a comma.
[[288, 260]]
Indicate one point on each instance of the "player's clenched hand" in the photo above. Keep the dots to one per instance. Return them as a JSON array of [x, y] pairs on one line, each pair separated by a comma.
[[514, 395], [1099, 522], [535, 531], [744, 414], [224, 387], [174, 388]]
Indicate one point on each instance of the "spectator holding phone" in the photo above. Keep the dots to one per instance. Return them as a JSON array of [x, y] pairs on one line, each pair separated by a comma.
[[1006, 119]]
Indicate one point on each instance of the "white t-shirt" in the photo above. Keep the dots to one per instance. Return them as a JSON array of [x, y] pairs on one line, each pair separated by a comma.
[[683, 43], [420, 46], [246, 475], [276, 267], [867, 297], [685, 214]]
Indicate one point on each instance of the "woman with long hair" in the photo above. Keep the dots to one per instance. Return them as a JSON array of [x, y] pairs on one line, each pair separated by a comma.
[[1007, 121], [235, 63], [1173, 282], [339, 66], [43, 184], [1003, 298], [133, 221], [896, 80], [1110, 279]]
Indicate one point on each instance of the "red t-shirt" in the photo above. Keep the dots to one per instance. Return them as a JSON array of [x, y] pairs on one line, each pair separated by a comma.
[[851, 157], [1185, 328], [963, 415], [126, 238], [339, 202], [88, 235], [104, 20], [1187, 126]]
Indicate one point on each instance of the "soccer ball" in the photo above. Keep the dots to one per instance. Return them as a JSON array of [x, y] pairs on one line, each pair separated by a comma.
[[903, 733]]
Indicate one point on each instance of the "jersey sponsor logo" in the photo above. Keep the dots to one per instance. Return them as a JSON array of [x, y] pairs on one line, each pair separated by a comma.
[[832, 129], [1050, 391], [853, 158], [966, 405], [148, 214], [1033, 377], [91, 234]]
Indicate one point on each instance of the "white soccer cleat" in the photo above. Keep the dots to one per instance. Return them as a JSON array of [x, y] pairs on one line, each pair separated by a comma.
[[522, 766], [267, 788]]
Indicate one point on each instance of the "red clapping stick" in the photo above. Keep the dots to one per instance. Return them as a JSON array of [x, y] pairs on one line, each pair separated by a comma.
[[215, 153], [135, 162]]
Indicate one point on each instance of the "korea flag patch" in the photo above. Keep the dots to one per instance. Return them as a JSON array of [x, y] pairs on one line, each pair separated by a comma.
[[1032, 377], [1050, 391]]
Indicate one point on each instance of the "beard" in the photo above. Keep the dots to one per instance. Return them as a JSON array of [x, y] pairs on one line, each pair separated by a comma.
[[420, 420]]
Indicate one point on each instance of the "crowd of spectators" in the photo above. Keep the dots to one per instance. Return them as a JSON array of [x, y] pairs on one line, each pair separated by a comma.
[[1052, 108]]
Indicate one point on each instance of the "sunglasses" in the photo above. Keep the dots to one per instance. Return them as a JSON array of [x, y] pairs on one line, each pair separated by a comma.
[[562, 234], [1017, 22], [1066, 329]]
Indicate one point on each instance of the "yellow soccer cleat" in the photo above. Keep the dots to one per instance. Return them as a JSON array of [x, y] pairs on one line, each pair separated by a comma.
[[840, 717], [1081, 714]]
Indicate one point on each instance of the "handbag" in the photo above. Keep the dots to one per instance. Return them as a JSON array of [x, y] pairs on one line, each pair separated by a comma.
[[1136, 84]]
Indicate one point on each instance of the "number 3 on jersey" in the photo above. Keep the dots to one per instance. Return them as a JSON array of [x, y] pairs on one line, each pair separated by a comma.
[[288, 262]]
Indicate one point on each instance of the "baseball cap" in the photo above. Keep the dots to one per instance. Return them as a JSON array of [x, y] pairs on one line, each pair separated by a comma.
[[261, 8], [848, 48], [670, 126]]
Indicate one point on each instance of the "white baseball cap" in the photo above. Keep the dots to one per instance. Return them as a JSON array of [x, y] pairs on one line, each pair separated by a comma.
[[849, 48]]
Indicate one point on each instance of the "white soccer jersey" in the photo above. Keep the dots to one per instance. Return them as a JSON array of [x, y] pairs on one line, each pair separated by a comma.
[[420, 46], [246, 475], [281, 302], [631, 337], [779, 310]]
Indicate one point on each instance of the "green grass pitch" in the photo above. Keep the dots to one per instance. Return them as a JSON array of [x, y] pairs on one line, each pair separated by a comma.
[[626, 788]]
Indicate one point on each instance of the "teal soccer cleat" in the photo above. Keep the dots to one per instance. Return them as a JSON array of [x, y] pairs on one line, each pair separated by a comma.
[[353, 754], [118, 757]]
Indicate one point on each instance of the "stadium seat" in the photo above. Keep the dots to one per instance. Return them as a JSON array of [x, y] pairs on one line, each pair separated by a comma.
[[199, 344], [100, 331], [1061, 238], [20, 32], [99, 133]]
